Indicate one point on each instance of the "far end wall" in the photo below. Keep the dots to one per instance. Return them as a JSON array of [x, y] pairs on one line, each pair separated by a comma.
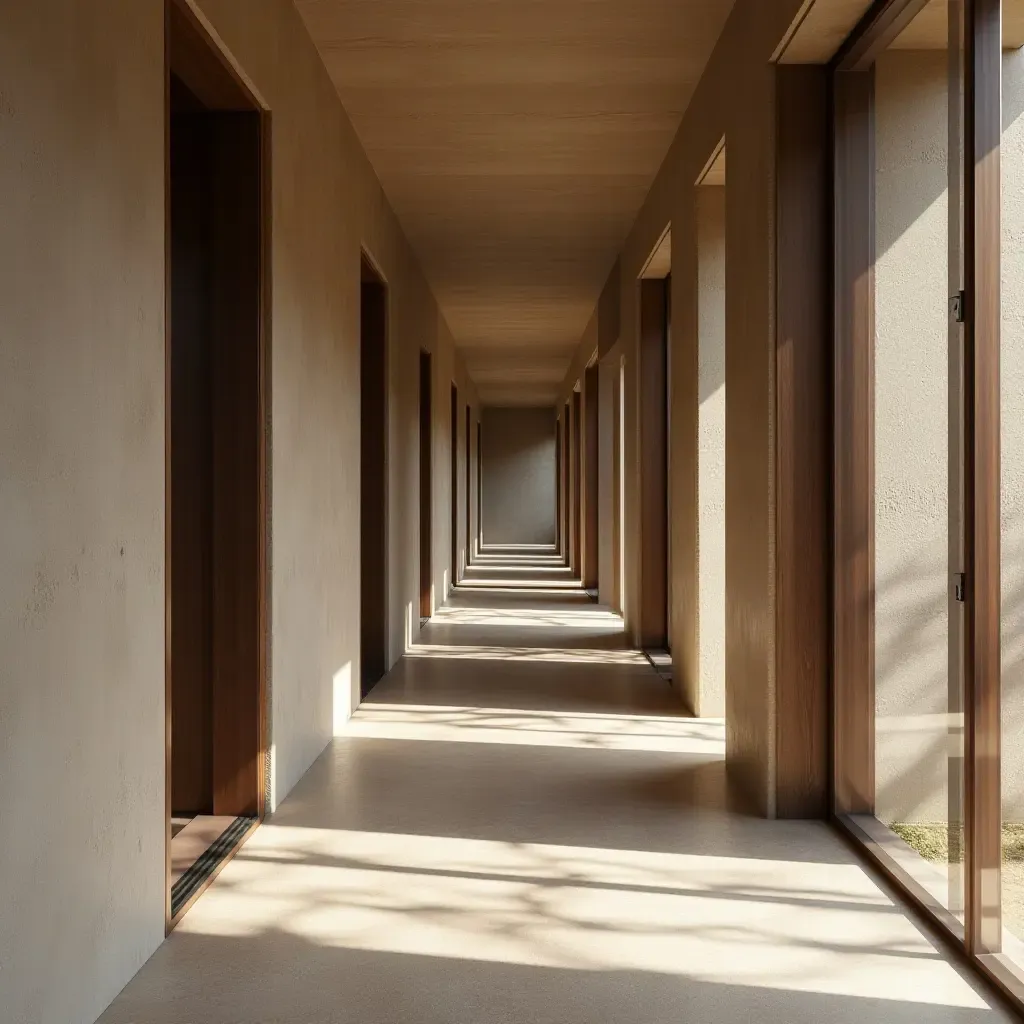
[[518, 476]]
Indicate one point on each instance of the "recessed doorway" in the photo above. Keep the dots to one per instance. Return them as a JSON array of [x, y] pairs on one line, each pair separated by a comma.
[[216, 461], [373, 332], [426, 485]]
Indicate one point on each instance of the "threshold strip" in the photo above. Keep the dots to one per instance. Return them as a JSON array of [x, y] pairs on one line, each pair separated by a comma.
[[186, 886]]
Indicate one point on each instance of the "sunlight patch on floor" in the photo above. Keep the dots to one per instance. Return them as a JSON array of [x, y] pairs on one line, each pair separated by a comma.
[[688, 736], [778, 924], [556, 655], [570, 618]]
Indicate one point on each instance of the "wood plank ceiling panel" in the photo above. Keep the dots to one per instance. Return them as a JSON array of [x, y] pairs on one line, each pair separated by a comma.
[[516, 141]]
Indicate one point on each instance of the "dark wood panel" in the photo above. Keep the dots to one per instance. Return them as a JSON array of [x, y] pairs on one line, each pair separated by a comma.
[[453, 448], [653, 420], [853, 454], [426, 483], [590, 488], [191, 467], [373, 476], [200, 66], [803, 435], [577, 484], [566, 483], [880, 26], [558, 483], [617, 525], [469, 484], [480, 481], [236, 194], [982, 656]]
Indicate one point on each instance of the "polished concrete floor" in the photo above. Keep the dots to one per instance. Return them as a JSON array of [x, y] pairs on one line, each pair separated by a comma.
[[519, 826]]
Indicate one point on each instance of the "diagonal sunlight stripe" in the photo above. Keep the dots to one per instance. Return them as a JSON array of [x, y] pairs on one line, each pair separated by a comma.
[[684, 736], [560, 655], [783, 907]]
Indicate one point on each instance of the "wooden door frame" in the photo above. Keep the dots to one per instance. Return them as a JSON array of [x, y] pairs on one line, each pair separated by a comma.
[[469, 484], [426, 454], [454, 417], [978, 942], [180, 15]]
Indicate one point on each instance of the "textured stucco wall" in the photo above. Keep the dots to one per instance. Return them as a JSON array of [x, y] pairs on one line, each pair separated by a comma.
[[735, 99], [519, 476], [81, 503], [82, 463], [912, 449], [915, 634], [1012, 371], [708, 695], [607, 570]]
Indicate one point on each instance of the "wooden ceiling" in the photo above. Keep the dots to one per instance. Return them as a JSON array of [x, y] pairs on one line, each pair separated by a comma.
[[516, 141]]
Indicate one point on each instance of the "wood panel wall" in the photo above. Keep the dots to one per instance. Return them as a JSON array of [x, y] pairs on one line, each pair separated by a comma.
[[426, 483], [652, 593], [191, 492], [803, 443], [591, 405]]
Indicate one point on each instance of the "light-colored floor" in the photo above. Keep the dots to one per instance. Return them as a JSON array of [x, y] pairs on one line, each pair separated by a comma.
[[519, 827]]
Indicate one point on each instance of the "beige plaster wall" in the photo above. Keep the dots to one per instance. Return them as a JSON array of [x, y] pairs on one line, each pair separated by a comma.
[[735, 99], [81, 503], [519, 475], [708, 693], [82, 452]]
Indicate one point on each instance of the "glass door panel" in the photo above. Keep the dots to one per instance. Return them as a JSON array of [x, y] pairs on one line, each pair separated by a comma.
[[918, 417]]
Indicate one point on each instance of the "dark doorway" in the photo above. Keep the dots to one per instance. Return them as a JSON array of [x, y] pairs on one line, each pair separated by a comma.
[[558, 485], [577, 480], [373, 319], [567, 484], [479, 485], [216, 461], [469, 485], [454, 448], [591, 441], [426, 484], [654, 456]]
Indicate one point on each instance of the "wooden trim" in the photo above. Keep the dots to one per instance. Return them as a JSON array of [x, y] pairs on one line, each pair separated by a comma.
[[885, 20], [591, 442], [480, 480], [853, 619], [982, 135], [453, 417], [577, 484], [558, 483], [803, 429], [182, 28], [426, 458], [469, 484], [168, 797]]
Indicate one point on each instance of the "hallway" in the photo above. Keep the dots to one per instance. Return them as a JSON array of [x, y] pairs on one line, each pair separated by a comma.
[[518, 825]]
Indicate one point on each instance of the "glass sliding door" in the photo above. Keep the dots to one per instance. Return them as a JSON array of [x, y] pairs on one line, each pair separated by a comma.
[[928, 729], [900, 438]]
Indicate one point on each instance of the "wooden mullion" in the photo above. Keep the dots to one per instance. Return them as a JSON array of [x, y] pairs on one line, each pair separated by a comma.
[[983, 129]]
